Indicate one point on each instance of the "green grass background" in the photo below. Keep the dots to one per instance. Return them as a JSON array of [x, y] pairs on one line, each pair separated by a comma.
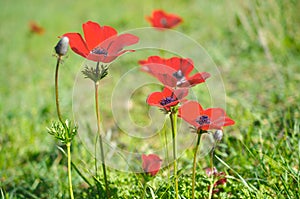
[[255, 45]]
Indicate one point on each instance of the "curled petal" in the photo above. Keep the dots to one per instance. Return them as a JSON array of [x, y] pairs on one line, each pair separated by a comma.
[[118, 43], [196, 79]]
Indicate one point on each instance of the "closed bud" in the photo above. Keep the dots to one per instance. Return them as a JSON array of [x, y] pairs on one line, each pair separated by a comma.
[[62, 46], [218, 135]]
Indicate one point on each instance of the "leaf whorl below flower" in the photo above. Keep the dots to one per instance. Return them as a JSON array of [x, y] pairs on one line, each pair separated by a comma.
[[65, 132], [95, 74]]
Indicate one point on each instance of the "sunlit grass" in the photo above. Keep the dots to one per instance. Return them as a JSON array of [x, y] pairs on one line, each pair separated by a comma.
[[260, 74]]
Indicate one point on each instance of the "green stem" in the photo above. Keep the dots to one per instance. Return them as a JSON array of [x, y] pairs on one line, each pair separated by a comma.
[[212, 174], [173, 119], [167, 150], [96, 166], [194, 165], [100, 138], [56, 90], [69, 170], [68, 144]]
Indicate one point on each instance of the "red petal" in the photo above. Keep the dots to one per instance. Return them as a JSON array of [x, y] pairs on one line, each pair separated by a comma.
[[150, 19], [157, 17], [152, 59], [173, 20], [229, 122], [94, 34], [181, 93], [166, 79], [167, 92], [77, 44], [151, 163], [218, 118], [155, 98], [174, 63], [186, 66], [162, 72], [190, 111], [196, 79], [154, 167], [115, 44]]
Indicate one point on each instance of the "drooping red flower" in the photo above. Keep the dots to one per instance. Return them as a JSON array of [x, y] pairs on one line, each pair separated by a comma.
[[167, 98], [173, 72], [211, 118], [100, 43], [36, 28], [161, 19], [151, 163]]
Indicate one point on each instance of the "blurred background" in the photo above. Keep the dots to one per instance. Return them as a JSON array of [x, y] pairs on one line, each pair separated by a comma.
[[255, 45]]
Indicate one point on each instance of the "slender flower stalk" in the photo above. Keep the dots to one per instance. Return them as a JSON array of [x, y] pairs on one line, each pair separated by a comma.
[[69, 170], [56, 89], [61, 49], [167, 150], [99, 133], [194, 163], [173, 119]]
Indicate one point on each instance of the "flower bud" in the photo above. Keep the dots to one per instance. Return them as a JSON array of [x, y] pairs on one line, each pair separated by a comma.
[[62, 46], [218, 135]]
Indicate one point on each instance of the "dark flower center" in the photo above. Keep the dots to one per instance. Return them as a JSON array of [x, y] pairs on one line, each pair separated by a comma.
[[203, 120], [163, 21], [180, 77], [99, 51], [167, 100]]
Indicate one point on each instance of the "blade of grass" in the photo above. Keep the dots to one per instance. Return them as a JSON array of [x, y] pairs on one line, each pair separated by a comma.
[[252, 188]]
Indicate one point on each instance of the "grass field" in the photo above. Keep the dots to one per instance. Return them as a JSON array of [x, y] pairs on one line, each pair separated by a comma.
[[255, 46]]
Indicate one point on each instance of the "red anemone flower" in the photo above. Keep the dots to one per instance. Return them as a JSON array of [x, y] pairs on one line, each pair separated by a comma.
[[100, 43], [173, 72], [35, 28], [160, 19], [211, 118], [151, 164], [167, 98]]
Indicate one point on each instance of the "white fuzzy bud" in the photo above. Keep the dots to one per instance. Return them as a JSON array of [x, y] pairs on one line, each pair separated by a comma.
[[218, 135], [62, 46]]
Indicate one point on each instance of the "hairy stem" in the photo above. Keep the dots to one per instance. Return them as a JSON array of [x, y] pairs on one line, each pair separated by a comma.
[[194, 165], [100, 137], [173, 119], [68, 144], [167, 151], [69, 170], [56, 90]]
